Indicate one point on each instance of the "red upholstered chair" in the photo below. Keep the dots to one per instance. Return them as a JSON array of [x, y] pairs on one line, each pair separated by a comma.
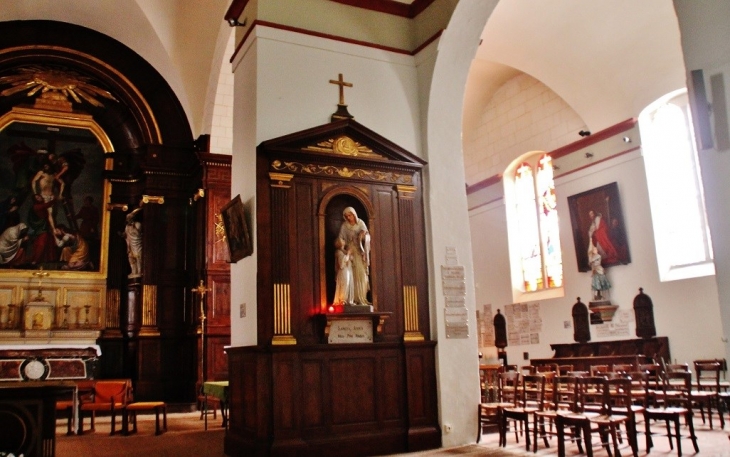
[[66, 406], [110, 396]]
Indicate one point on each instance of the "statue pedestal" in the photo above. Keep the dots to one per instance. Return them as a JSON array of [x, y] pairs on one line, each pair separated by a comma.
[[602, 311]]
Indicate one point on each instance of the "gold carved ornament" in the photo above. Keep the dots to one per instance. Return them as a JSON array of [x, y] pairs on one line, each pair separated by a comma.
[[344, 172], [55, 87], [343, 145]]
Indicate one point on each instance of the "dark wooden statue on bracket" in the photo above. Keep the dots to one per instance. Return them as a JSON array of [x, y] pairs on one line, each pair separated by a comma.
[[500, 336], [581, 326], [644, 313], [298, 392]]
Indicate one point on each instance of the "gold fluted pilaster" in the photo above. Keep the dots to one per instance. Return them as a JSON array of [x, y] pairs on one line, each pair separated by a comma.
[[111, 319], [282, 315], [149, 310], [410, 311]]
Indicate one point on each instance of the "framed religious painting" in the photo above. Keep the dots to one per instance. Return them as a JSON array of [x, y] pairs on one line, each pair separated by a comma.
[[52, 191], [598, 227], [236, 227]]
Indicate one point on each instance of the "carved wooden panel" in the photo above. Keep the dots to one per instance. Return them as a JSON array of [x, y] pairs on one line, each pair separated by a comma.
[[313, 398]]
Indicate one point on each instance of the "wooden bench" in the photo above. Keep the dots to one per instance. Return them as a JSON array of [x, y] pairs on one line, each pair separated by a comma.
[[130, 415]]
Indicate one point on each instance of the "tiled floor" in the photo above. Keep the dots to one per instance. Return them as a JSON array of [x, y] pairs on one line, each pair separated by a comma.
[[713, 443]]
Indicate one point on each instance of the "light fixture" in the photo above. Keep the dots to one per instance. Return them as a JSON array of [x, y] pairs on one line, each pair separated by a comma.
[[117, 206], [627, 139], [158, 200], [233, 22], [589, 155], [584, 133]]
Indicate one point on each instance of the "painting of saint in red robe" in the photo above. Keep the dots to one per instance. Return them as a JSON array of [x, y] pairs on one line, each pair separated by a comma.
[[597, 221]]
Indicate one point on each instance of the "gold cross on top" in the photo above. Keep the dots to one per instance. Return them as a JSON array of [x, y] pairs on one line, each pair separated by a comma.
[[341, 82]]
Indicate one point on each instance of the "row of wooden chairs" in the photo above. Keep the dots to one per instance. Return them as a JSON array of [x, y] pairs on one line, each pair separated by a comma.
[[109, 396], [585, 405]]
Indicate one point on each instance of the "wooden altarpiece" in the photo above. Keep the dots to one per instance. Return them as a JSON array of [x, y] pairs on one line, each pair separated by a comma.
[[295, 393]]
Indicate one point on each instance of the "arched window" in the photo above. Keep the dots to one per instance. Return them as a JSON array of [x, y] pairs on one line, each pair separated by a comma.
[[681, 233], [537, 263]]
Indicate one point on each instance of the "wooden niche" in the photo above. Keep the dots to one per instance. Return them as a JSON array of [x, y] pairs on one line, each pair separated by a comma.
[[298, 392]]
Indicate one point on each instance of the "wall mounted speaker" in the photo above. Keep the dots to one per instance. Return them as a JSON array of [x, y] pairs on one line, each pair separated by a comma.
[[700, 110], [719, 112]]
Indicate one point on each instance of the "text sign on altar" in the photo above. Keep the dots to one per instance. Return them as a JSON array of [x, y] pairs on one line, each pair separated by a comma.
[[351, 331]]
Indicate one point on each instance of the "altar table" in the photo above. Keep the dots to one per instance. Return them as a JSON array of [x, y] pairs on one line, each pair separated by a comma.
[[219, 390]]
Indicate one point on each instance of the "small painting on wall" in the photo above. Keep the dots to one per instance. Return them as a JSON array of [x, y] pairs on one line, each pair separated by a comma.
[[597, 222], [237, 233]]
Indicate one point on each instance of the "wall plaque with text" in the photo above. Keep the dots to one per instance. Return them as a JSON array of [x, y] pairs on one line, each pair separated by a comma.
[[351, 331]]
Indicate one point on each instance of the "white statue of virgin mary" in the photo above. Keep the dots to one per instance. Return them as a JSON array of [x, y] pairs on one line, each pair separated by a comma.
[[357, 241]]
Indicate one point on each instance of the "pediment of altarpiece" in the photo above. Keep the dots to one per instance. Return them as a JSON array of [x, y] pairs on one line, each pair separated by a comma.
[[343, 149]]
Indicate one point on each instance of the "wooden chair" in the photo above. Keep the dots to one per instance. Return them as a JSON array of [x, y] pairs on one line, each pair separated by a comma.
[[67, 407], [599, 370], [530, 398], [655, 376], [563, 370], [109, 396], [487, 382], [579, 373], [207, 404], [564, 401], [622, 367], [724, 383], [706, 393], [620, 402], [675, 407], [547, 368], [489, 412], [579, 420], [528, 369], [595, 414], [509, 384]]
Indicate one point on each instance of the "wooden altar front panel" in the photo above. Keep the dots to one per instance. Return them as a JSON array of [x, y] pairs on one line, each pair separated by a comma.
[[332, 400]]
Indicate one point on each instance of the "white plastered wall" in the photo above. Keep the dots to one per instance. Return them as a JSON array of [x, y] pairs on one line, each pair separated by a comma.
[[686, 311], [447, 216]]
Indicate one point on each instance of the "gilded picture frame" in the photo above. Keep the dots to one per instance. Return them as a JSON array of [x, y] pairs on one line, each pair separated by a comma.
[[74, 149], [597, 220], [237, 232]]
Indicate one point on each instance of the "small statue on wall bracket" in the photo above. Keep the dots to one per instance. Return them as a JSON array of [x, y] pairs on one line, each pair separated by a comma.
[[601, 308], [133, 235]]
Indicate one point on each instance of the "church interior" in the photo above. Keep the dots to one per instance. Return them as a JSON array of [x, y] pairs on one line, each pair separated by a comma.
[[324, 204]]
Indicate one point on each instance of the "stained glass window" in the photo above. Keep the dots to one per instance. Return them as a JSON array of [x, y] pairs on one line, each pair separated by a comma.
[[537, 222]]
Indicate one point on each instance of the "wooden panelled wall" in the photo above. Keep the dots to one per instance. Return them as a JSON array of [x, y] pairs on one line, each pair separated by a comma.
[[295, 394]]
